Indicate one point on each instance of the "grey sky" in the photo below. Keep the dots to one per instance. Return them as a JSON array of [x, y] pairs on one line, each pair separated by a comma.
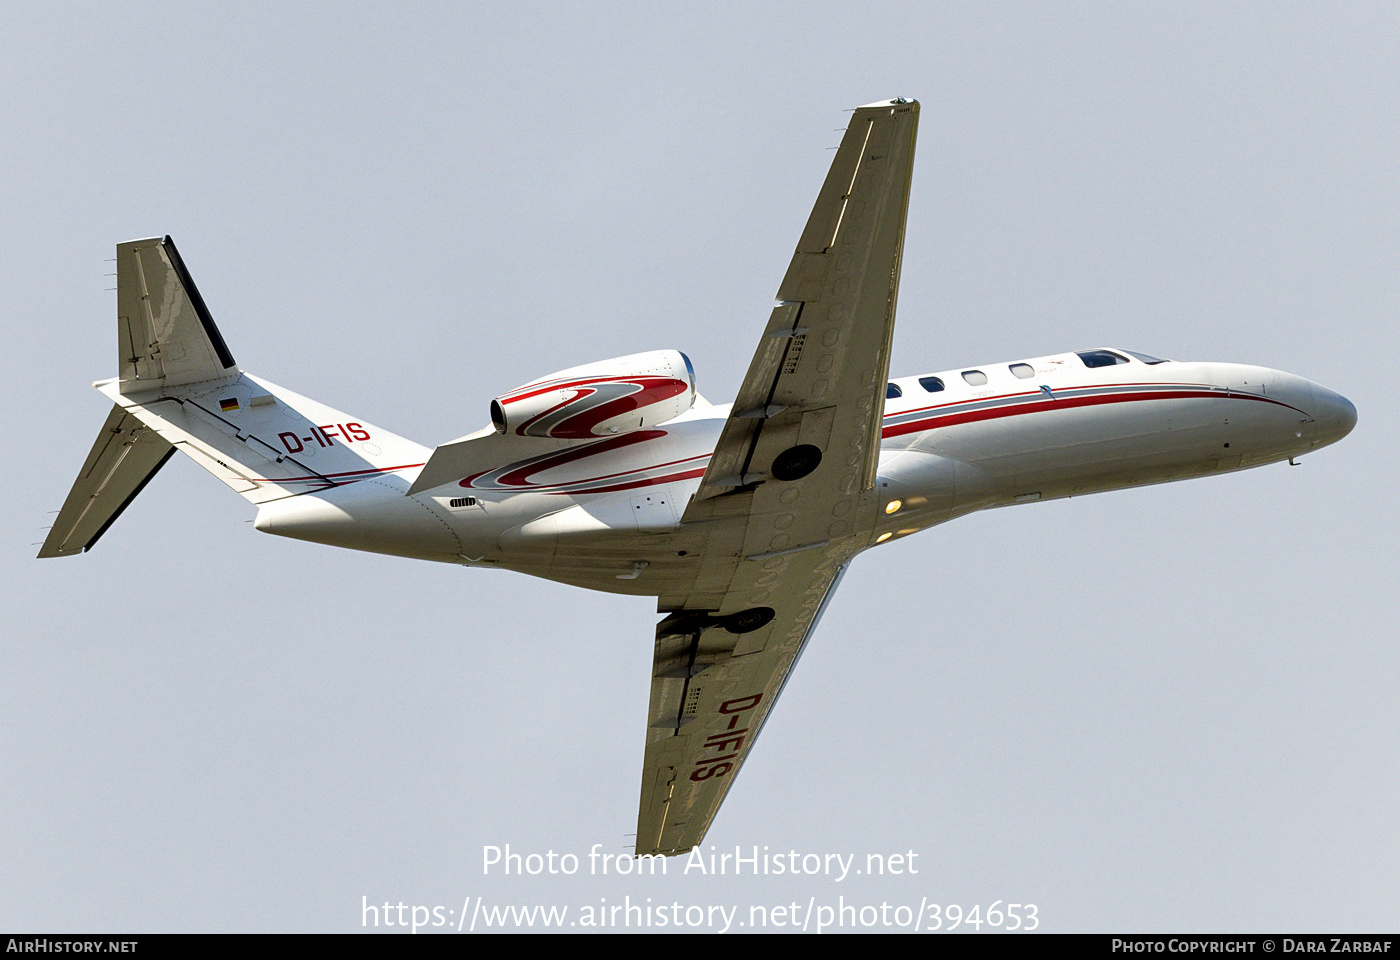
[[1164, 709]]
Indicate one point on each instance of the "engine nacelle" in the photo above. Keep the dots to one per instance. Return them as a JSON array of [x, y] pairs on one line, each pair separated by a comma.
[[600, 399]]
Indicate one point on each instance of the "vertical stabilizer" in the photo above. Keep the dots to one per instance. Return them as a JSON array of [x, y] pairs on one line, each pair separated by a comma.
[[165, 334]]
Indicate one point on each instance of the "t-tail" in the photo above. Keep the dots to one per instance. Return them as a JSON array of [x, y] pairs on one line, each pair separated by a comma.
[[179, 388]]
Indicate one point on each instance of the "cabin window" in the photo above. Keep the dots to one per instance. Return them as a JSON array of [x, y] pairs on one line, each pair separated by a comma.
[[975, 378], [931, 384], [1101, 358], [892, 390], [1023, 371], [1143, 357]]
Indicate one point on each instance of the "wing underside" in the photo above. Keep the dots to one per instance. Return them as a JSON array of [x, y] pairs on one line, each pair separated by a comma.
[[788, 497], [711, 692]]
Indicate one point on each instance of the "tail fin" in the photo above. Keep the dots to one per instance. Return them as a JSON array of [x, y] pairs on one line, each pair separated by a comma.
[[180, 388], [166, 335]]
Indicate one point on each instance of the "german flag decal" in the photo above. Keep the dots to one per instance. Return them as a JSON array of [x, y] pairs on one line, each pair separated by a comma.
[[228, 406]]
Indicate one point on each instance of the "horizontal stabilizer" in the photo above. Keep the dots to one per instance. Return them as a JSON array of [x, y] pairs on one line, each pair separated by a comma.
[[124, 458]]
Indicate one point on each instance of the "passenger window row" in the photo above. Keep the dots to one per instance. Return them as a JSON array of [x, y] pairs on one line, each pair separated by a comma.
[[1023, 371]]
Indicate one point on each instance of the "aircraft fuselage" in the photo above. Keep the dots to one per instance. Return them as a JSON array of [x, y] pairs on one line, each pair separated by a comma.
[[606, 515]]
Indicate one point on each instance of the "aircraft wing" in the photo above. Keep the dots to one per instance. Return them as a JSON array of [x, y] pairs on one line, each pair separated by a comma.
[[787, 497]]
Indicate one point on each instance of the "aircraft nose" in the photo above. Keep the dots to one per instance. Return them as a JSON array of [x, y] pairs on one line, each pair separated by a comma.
[[1335, 415]]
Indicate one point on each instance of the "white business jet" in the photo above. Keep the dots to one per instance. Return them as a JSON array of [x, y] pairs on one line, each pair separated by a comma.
[[741, 518]]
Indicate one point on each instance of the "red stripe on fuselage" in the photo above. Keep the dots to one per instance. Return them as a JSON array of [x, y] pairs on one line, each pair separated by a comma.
[[358, 474], [652, 481], [535, 390], [650, 390], [520, 476], [1016, 409]]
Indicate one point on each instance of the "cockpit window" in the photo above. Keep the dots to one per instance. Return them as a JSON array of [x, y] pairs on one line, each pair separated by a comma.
[[892, 390], [931, 384], [975, 377], [1023, 370], [1144, 357], [1101, 358]]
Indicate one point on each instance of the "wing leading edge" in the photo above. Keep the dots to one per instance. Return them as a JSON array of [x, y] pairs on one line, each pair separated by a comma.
[[786, 500]]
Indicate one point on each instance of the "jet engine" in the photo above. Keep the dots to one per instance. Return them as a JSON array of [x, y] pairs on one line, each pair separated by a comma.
[[599, 399]]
